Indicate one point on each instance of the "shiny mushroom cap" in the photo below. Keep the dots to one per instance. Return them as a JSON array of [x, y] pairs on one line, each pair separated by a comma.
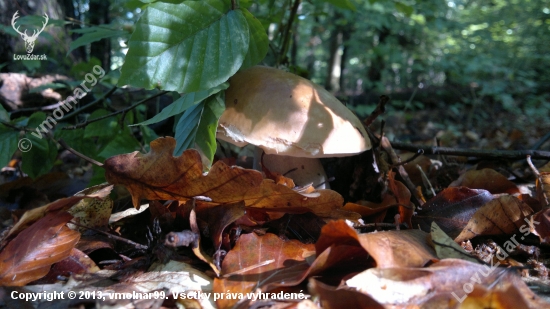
[[285, 114]]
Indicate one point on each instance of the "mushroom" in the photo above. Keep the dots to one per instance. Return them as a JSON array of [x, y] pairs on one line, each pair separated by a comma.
[[294, 121]]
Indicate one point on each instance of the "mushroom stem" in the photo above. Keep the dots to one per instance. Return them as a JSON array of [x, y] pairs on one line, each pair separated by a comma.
[[303, 171]]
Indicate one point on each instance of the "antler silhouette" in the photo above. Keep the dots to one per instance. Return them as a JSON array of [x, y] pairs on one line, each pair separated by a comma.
[[16, 16]]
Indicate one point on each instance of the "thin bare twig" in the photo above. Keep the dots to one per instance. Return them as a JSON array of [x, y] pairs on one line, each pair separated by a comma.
[[380, 109], [387, 146], [135, 244], [78, 154], [84, 124], [491, 154], [286, 36], [85, 107]]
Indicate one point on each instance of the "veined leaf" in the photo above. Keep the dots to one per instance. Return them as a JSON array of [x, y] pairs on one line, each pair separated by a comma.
[[183, 103], [259, 43], [186, 47]]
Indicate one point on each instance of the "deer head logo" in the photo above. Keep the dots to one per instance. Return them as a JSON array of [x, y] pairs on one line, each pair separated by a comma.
[[29, 40]]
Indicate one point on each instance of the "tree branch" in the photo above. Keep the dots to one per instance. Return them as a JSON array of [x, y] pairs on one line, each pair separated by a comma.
[[490, 154], [286, 36], [84, 124]]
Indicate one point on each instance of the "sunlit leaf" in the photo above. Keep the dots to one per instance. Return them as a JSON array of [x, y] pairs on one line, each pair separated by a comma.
[[186, 47]]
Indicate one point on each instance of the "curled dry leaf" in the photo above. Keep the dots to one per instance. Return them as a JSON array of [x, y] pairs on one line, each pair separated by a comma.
[[263, 262], [31, 253], [451, 209], [95, 209], [408, 248], [158, 175], [34, 215], [502, 216], [487, 179]]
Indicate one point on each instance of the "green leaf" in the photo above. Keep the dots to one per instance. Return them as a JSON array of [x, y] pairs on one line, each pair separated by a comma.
[[94, 34], [102, 128], [8, 144], [186, 128], [39, 159], [186, 47], [403, 8], [183, 103], [123, 142], [259, 42], [343, 4], [206, 133]]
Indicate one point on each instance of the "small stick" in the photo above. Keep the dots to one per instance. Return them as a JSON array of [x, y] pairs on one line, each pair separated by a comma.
[[380, 109], [492, 154], [426, 180], [135, 244]]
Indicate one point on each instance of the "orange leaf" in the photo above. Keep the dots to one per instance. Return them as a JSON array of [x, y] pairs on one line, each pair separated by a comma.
[[487, 179], [158, 175], [504, 215], [262, 262], [31, 253]]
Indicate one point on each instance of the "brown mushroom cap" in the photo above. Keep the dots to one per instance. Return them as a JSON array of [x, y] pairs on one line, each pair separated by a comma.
[[285, 114]]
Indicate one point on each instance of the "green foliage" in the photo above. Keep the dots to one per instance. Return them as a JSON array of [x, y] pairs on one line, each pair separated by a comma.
[[94, 34], [183, 103], [186, 47], [41, 157], [198, 125]]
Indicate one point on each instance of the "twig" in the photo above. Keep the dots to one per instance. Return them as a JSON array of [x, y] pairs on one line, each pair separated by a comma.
[[286, 36], [85, 107], [233, 5], [84, 124], [492, 154], [426, 180], [541, 141], [380, 109], [78, 154], [533, 168], [387, 146], [416, 155], [135, 244]]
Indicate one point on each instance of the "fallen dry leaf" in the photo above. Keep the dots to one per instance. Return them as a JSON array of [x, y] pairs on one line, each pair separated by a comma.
[[95, 209], [448, 280], [335, 298], [451, 209], [76, 263], [31, 253], [487, 179], [504, 215], [406, 248], [543, 188], [158, 175], [263, 262]]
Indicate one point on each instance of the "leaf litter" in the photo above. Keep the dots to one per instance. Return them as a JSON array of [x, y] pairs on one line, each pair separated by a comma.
[[221, 240]]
